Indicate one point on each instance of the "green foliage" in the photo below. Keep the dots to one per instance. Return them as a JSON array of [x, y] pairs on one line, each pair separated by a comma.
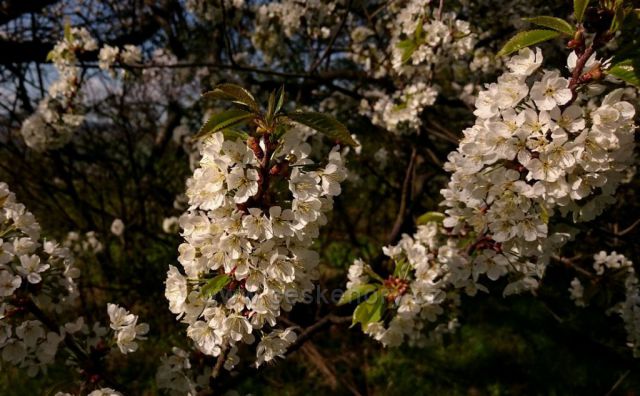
[[324, 124], [215, 285], [429, 217], [579, 7], [557, 24], [619, 15], [526, 39], [369, 311], [235, 94], [356, 293], [408, 47], [402, 269], [224, 120], [627, 70]]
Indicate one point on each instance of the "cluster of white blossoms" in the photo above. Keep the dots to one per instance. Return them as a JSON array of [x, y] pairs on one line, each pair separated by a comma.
[[533, 151], [622, 276], [32, 271], [83, 244], [276, 21], [176, 375], [246, 256], [422, 39], [126, 328], [59, 114], [57, 118], [421, 294], [38, 296], [109, 55]]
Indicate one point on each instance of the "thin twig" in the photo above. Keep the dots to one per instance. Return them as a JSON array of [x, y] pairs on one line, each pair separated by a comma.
[[215, 372], [404, 199], [332, 41], [440, 8], [618, 382], [628, 229]]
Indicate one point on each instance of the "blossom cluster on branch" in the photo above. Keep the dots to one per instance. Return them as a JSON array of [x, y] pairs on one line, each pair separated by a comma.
[[539, 149], [38, 299], [247, 253], [422, 38], [59, 113], [57, 116], [422, 290], [616, 272]]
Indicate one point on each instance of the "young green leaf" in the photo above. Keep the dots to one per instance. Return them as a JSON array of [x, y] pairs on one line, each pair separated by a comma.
[[526, 39], [627, 70], [408, 47], [618, 16], [214, 285], [280, 99], [67, 31], [235, 94], [402, 269], [356, 292], [419, 29], [429, 217], [557, 24], [579, 6], [234, 134], [226, 119], [369, 311], [324, 124], [271, 106]]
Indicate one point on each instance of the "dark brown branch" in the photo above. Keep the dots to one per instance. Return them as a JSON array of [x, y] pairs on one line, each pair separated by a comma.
[[404, 199], [332, 41]]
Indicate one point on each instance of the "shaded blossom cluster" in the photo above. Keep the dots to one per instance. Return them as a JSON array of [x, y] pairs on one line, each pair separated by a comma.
[[57, 116], [38, 297], [422, 38], [618, 270]]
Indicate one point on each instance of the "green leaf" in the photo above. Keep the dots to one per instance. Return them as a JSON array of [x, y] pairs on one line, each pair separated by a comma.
[[544, 214], [234, 134], [356, 292], [554, 23], [579, 7], [324, 124], [214, 285], [408, 47], [226, 119], [430, 217], [67, 31], [271, 106], [419, 29], [234, 93], [618, 16], [402, 269], [627, 70], [526, 39], [369, 311], [280, 99]]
